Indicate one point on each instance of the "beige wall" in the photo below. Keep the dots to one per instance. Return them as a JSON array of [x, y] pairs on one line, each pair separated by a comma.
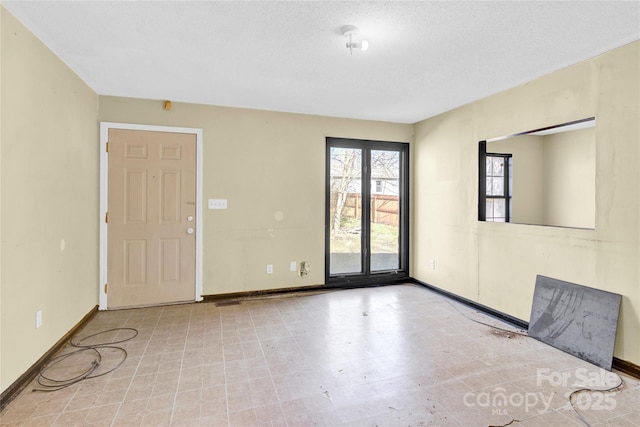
[[49, 178], [553, 177], [496, 264], [528, 159], [570, 178], [2, 386], [270, 167]]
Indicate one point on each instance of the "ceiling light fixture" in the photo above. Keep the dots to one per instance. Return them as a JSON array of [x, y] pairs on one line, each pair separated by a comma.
[[350, 31]]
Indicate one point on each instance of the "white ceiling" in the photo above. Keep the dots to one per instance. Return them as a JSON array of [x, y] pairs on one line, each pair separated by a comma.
[[424, 57]]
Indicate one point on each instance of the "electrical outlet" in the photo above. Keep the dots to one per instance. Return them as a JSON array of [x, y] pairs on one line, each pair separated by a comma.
[[269, 268], [432, 264], [293, 266], [38, 318]]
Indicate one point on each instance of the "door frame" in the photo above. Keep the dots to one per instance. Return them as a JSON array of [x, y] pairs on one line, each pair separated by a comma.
[[367, 277], [104, 202]]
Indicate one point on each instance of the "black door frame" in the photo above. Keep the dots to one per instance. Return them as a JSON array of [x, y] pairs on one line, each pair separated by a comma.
[[366, 277]]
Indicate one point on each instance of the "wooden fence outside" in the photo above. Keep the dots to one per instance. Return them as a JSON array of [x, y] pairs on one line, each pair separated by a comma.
[[385, 208]]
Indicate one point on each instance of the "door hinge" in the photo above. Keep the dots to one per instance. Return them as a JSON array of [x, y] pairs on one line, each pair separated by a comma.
[[107, 147], [106, 218], [105, 287]]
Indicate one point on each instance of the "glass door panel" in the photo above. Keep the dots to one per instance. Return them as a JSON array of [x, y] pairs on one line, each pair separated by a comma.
[[345, 211], [385, 210], [366, 212]]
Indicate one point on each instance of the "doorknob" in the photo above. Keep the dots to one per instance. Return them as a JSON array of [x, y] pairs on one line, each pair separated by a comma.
[[189, 230]]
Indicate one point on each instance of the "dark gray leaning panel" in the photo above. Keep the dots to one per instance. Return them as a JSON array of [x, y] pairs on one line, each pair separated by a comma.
[[576, 319]]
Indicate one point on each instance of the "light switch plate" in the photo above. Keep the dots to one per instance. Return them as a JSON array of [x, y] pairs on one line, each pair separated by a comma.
[[217, 203]]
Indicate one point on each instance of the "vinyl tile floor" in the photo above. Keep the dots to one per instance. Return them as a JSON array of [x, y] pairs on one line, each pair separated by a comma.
[[382, 356]]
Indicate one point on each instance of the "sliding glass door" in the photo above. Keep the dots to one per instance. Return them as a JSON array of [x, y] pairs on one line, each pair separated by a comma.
[[366, 211], [345, 211]]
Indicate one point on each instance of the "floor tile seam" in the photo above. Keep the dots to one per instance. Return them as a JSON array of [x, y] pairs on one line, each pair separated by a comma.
[[7, 413], [184, 350], [271, 377], [294, 336], [456, 418], [462, 380], [571, 414], [131, 378], [66, 405], [585, 414], [224, 368], [459, 376], [63, 411], [286, 325], [533, 375]]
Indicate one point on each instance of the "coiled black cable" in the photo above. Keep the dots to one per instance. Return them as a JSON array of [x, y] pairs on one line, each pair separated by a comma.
[[49, 384]]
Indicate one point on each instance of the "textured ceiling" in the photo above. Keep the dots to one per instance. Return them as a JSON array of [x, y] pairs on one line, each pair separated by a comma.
[[424, 57]]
